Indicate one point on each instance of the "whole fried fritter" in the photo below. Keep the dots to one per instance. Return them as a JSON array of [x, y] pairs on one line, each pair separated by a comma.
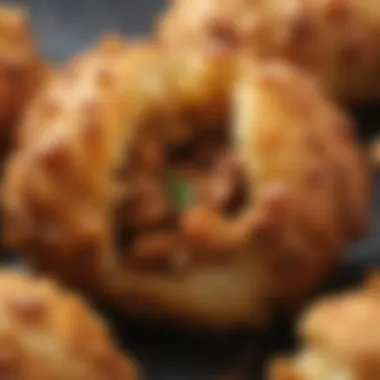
[[48, 333], [341, 339], [335, 40], [22, 70], [273, 177]]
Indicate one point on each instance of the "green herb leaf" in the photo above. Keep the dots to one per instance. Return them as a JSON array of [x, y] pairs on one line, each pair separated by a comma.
[[180, 192]]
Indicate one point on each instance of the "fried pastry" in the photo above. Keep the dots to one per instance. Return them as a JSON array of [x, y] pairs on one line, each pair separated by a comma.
[[341, 339], [335, 40], [22, 70], [125, 185], [48, 333]]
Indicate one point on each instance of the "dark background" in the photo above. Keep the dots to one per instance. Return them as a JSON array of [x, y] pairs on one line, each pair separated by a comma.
[[65, 27]]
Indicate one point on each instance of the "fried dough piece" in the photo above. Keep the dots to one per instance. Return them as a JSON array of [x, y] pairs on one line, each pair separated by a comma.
[[48, 333], [341, 339], [81, 200], [22, 70], [335, 40]]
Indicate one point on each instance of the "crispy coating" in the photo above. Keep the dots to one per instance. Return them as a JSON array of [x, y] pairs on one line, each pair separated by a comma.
[[307, 184], [335, 40], [290, 134], [21, 70], [340, 338], [48, 333]]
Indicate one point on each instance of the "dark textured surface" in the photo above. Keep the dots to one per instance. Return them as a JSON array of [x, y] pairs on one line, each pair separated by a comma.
[[64, 27]]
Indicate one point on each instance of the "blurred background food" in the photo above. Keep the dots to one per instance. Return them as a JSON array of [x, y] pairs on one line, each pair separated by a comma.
[[334, 40], [47, 332], [340, 337], [23, 71]]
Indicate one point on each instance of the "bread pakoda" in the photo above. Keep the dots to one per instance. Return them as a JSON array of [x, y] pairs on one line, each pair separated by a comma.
[[341, 339], [141, 181], [48, 333], [22, 71], [335, 40]]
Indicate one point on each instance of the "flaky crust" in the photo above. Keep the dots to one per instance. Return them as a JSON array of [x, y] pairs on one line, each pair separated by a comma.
[[336, 40], [307, 200], [340, 337], [22, 71], [48, 333]]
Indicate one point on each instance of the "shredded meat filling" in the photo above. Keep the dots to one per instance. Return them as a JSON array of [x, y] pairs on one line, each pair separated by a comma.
[[162, 181]]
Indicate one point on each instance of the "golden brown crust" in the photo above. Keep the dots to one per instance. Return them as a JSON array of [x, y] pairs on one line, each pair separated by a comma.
[[336, 40], [48, 333], [299, 139], [341, 338], [22, 70], [61, 188]]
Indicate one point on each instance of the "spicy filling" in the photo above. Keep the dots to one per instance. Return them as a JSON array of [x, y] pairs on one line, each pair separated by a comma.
[[162, 182]]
